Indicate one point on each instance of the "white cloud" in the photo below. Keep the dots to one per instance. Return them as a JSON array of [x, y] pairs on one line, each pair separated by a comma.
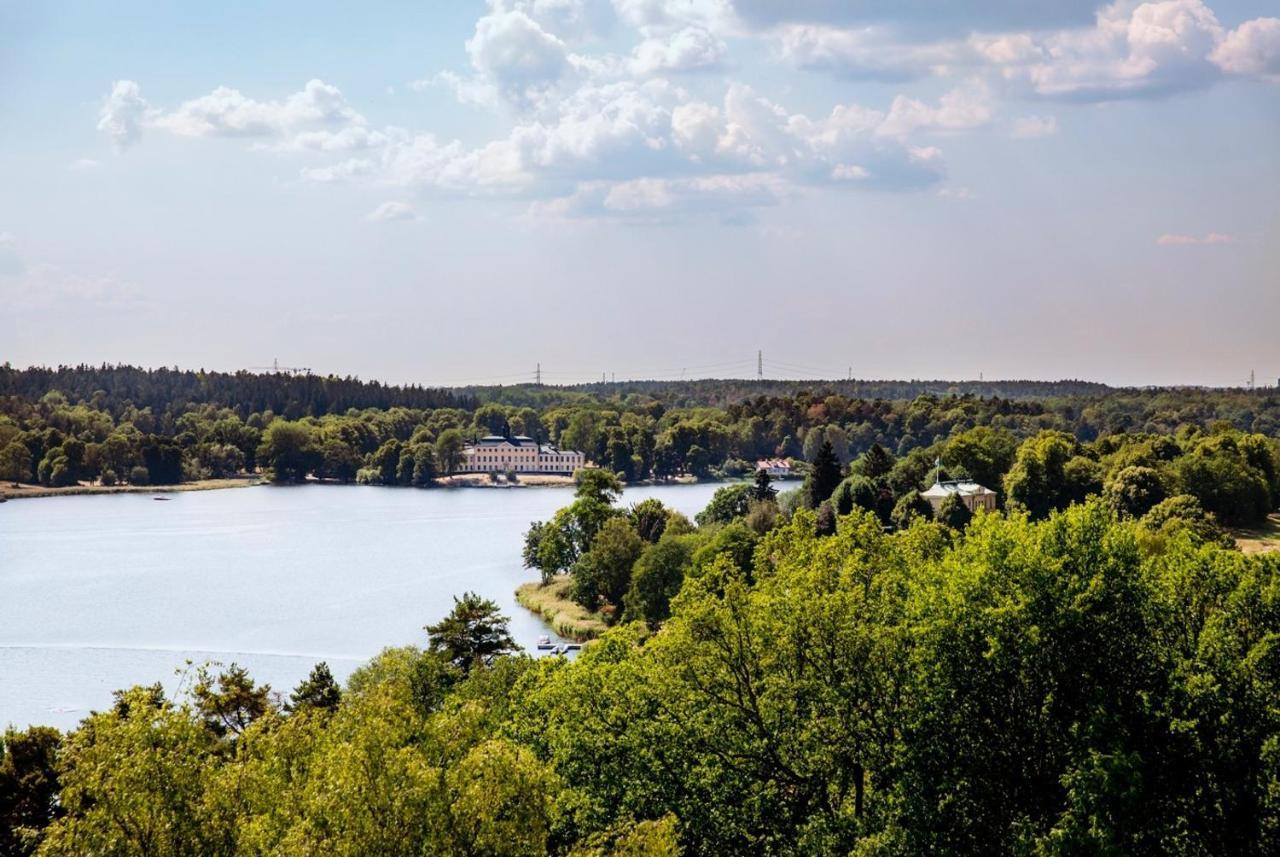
[[227, 112], [341, 171], [316, 117], [666, 16], [1132, 50], [516, 58], [80, 164], [690, 49], [656, 200], [1253, 48], [570, 20], [957, 110], [124, 112], [1031, 127], [1148, 49], [849, 172], [924, 18], [1177, 240], [392, 210], [865, 53]]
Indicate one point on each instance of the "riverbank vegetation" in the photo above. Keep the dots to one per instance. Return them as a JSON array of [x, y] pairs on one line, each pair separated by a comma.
[[120, 425], [1080, 681]]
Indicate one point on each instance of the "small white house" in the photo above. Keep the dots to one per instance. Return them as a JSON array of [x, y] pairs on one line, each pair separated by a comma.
[[777, 468], [973, 495]]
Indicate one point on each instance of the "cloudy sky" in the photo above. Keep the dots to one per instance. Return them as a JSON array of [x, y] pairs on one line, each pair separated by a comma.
[[454, 192]]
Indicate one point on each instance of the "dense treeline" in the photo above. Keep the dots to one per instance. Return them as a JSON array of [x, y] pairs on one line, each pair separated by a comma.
[[719, 392], [1085, 683], [167, 393], [165, 426]]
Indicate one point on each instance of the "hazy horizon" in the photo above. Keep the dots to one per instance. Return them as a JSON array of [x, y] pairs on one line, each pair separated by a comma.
[[451, 194], [784, 376]]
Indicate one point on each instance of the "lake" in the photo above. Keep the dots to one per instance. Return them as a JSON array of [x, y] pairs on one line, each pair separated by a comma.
[[106, 591]]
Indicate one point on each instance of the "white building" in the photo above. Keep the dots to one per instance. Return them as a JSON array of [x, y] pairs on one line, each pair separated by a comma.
[[777, 468], [519, 454], [973, 495]]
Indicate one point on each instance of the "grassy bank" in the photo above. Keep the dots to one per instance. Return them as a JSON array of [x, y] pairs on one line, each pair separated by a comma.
[[552, 603], [24, 491], [1261, 539]]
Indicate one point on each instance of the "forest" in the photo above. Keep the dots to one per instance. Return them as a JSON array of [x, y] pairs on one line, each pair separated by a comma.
[[1084, 681], [122, 425], [824, 667]]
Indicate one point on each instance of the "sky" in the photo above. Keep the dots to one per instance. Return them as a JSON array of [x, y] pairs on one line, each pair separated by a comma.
[[448, 193]]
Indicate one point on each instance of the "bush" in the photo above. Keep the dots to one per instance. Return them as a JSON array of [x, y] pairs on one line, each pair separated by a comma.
[[138, 475], [108, 477]]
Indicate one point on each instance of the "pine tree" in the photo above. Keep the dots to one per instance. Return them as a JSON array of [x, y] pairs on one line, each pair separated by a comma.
[[824, 477], [763, 489], [474, 632], [318, 691]]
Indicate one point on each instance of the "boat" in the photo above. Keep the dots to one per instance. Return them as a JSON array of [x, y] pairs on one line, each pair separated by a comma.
[[544, 643]]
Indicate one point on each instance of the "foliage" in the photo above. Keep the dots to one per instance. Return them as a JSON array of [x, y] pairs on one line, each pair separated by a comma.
[[603, 573], [28, 787], [823, 477], [1083, 683], [727, 504], [953, 513], [474, 633], [318, 691], [910, 507]]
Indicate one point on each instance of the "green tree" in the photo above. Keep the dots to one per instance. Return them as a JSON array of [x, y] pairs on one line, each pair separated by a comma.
[[909, 508], [424, 466], [656, 579], [1037, 481], [288, 451], [727, 504], [318, 691], [823, 477], [1183, 513], [603, 573], [133, 783], [763, 489], [953, 513], [983, 452], [649, 517], [28, 787], [473, 633], [449, 447], [15, 463], [875, 463], [1134, 490], [229, 701]]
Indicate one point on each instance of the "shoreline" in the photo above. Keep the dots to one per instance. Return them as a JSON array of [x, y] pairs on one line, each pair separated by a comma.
[[27, 491], [33, 492]]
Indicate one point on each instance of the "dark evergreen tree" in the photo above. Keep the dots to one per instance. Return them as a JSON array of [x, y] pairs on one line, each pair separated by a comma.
[[475, 632], [763, 489], [954, 513], [826, 522], [316, 691], [823, 477]]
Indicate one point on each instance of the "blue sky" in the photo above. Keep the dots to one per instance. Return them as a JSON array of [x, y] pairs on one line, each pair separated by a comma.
[[444, 193]]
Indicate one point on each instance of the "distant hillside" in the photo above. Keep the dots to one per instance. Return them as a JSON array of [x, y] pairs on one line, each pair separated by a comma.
[[717, 392], [291, 396]]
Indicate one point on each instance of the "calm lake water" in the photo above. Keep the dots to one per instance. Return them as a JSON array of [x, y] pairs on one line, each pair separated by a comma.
[[107, 591]]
